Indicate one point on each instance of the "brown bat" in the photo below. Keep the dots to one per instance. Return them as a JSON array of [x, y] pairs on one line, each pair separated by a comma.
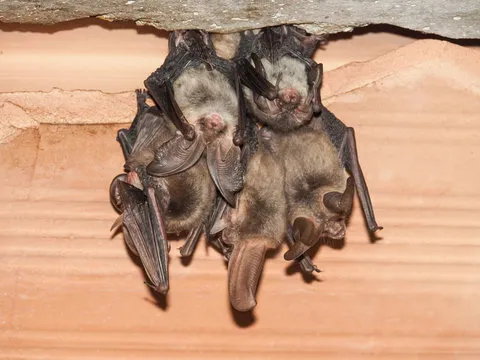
[[318, 190], [282, 82], [257, 224], [154, 206], [319, 184]]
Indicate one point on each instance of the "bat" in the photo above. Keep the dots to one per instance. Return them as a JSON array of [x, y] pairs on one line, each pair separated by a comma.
[[153, 206], [318, 189], [343, 139], [282, 83], [257, 224], [319, 185], [200, 92]]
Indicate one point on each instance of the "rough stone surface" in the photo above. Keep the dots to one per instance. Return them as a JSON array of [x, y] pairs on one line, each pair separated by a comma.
[[452, 19]]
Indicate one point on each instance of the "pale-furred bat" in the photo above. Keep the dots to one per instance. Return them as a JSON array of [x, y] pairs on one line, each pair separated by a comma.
[[200, 92]]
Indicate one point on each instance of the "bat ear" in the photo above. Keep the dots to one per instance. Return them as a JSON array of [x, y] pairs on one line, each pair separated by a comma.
[[306, 234], [338, 202], [244, 270], [176, 155], [224, 165], [115, 198]]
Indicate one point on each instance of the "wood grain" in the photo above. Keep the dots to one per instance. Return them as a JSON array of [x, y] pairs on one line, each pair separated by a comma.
[[70, 291]]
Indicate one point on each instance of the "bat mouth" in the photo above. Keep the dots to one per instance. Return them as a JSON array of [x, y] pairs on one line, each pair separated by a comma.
[[294, 113], [334, 230]]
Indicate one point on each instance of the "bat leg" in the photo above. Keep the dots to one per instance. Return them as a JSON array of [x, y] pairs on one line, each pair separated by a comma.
[[123, 137], [348, 151], [163, 96], [253, 79], [126, 136], [191, 241], [317, 78], [115, 198], [225, 169], [244, 270], [240, 132], [142, 96], [305, 234], [176, 156], [305, 262]]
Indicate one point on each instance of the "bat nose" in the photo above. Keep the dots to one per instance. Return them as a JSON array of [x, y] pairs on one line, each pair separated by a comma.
[[289, 97], [214, 122]]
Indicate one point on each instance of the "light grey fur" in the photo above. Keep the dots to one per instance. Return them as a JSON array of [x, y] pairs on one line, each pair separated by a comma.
[[200, 92]]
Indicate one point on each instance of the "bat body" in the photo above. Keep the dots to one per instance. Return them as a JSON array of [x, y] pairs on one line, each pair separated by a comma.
[[154, 206], [257, 224], [200, 92], [319, 185], [318, 192], [282, 82], [343, 139]]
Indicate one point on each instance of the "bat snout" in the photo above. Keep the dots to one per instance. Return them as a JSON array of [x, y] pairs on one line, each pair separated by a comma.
[[214, 122], [289, 98], [335, 229]]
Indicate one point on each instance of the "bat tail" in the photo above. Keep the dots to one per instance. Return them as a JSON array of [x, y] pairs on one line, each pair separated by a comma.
[[244, 270]]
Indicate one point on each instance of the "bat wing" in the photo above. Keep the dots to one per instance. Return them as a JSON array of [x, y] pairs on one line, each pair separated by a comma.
[[224, 165], [145, 230], [127, 137], [176, 155], [343, 138]]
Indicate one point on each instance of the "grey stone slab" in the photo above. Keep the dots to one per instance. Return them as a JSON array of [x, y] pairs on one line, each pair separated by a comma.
[[453, 19]]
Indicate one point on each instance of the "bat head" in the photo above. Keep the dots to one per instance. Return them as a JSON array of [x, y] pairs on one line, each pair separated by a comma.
[[208, 100], [328, 223], [338, 206], [296, 96]]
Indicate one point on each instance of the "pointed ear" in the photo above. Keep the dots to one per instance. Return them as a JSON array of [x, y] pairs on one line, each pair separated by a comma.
[[224, 165], [177, 155], [115, 198], [340, 203], [244, 270], [305, 234]]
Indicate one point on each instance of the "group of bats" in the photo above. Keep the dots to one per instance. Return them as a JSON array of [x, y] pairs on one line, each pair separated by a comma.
[[239, 147]]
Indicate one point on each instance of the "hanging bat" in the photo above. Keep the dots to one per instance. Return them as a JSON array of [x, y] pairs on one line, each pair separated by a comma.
[[318, 189], [200, 92], [257, 224], [154, 206], [282, 82], [343, 139], [319, 185]]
